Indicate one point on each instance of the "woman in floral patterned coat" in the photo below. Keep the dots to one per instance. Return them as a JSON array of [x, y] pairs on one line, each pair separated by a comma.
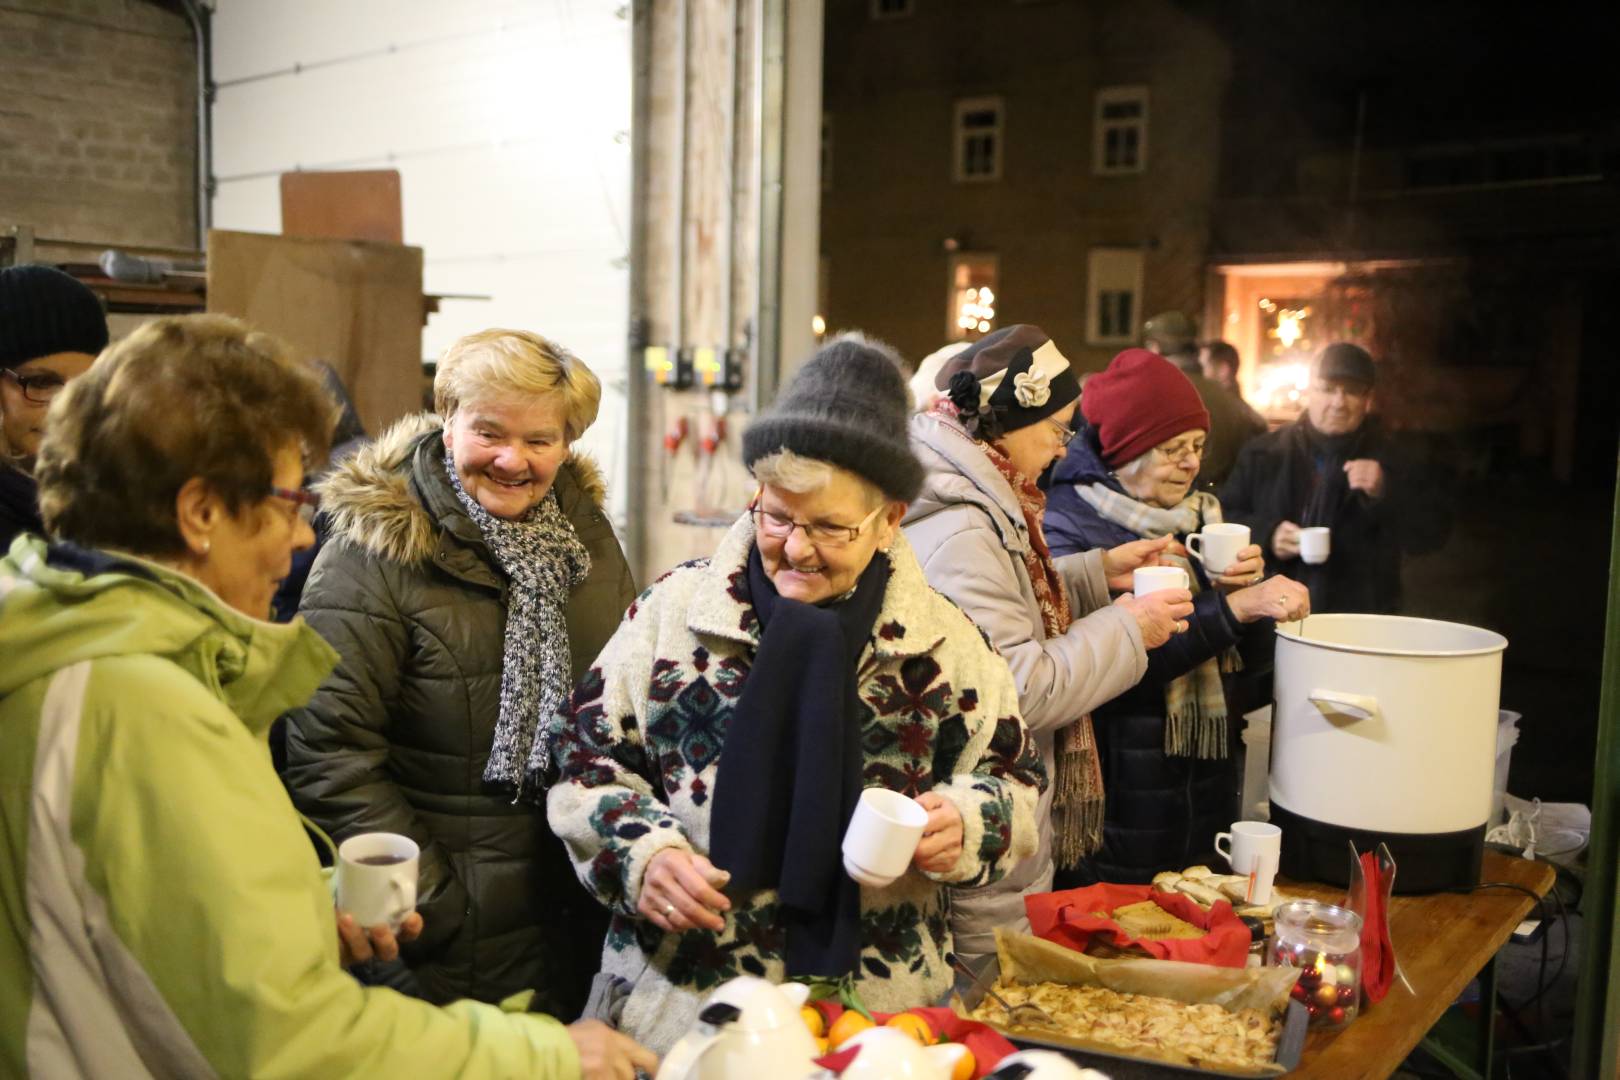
[[712, 757]]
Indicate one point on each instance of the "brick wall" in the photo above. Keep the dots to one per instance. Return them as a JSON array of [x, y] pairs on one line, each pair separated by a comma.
[[98, 121], [891, 200]]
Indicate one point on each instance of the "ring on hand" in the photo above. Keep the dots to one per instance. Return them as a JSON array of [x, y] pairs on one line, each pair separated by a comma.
[[669, 909]]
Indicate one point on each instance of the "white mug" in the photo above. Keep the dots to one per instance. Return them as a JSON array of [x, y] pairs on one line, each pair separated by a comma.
[[882, 836], [1315, 544], [1253, 848], [1218, 545], [376, 878], [1150, 579]]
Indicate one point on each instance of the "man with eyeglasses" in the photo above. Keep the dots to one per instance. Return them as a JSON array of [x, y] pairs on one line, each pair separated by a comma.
[[51, 328], [1337, 467]]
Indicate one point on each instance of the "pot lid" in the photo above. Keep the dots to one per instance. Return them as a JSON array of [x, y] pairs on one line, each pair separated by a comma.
[[1393, 635]]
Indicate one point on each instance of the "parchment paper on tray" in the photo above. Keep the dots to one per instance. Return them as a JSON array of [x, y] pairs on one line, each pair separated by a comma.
[[1026, 959]]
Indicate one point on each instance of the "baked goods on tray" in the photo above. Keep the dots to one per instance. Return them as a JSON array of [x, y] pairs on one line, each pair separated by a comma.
[[1206, 1035], [1145, 919], [1206, 887]]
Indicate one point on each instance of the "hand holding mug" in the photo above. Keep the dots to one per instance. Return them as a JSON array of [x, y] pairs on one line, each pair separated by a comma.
[[1119, 563], [1285, 540], [1247, 569], [357, 945], [1159, 614], [679, 891], [941, 843]]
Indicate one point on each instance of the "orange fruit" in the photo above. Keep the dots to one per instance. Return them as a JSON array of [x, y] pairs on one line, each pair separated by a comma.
[[814, 1020], [964, 1067], [848, 1025], [912, 1025], [821, 1046]]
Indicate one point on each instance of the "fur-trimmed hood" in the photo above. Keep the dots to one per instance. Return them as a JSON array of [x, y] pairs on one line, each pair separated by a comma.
[[371, 499]]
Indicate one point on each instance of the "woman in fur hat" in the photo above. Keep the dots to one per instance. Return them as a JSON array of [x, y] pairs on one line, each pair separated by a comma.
[[976, 527], [713, 756], [469, 577]]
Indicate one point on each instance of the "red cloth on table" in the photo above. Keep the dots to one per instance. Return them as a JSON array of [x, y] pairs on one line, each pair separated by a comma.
[[1072, 918], [1377, 954], [987, 1045]]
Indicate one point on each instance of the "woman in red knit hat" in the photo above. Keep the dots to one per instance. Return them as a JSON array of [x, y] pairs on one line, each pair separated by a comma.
[[1165, 744]]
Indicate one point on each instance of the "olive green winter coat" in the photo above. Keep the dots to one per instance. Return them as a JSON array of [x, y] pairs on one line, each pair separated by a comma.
[[397, 739]]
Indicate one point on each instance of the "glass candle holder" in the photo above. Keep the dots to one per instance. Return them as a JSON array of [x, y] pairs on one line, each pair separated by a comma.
[[1324, 942]]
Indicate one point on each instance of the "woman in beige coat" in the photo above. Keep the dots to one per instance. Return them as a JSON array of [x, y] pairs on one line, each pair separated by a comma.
[[976, 530]]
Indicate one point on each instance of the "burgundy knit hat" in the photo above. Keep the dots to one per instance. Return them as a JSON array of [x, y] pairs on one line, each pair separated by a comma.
[[1138, 402]]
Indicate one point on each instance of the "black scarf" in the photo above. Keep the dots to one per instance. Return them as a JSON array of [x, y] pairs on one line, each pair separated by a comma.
[[790, 773], [1329, 489]]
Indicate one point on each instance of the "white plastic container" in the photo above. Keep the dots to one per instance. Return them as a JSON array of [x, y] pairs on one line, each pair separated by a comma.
[[1384, 729]]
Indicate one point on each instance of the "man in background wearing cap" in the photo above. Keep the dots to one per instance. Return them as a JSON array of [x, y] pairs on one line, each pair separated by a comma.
[[1336, 466], [1231, 422], [51, 328]]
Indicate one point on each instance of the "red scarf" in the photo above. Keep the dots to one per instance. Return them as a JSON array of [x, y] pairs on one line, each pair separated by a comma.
[[1077, 786]]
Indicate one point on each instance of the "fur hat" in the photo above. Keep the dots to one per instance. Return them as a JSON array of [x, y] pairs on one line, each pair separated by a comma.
[[1007, 380], [1342, 360], [1137, 402], [848, 406], [44, 311]]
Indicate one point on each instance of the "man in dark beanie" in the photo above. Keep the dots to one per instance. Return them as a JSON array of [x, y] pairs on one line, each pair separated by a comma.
[[51, 328], [1337, 467], [755, 698]]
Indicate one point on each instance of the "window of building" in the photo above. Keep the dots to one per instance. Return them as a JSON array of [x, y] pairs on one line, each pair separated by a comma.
[[971, 297], [1113, 295], [1120, 127], [891, 9], [978, 139]]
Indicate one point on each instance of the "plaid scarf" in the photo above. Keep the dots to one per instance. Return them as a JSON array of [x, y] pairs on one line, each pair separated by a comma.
[[1077, 784], [1194, 703], [544, 561]]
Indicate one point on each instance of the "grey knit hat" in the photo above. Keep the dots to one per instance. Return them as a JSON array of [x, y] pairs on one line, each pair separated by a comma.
[[848, 406], [44, 311]]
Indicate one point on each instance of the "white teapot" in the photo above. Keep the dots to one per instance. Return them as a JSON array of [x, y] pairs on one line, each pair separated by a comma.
[[1041, 1065], [748, 1029], [888, 1054]]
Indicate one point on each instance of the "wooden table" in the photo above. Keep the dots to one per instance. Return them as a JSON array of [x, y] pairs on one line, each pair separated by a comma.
[[1443, 940]]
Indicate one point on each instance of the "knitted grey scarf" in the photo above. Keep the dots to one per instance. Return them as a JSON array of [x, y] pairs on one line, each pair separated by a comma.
[[544, 561]]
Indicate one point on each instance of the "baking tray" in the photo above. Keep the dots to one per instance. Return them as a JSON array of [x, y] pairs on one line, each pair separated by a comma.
[[1290, 1044]]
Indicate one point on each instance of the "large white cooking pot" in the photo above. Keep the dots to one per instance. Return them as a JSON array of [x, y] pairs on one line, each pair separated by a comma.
[[1385, 723]]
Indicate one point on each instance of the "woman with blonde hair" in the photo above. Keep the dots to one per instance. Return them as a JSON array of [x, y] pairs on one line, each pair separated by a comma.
[[161, 911], [470, 576]]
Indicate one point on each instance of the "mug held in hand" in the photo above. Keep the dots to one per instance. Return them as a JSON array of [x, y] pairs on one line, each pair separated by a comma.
[[1150, 579], [882, 836], [1315, 544], [1217, 545], [376, 878]]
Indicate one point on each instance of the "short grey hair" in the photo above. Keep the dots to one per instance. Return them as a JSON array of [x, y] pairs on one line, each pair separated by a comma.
[[802, 475]]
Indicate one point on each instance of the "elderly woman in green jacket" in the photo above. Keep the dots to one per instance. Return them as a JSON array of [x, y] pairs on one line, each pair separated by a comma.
[[162, 912], [469, 577]]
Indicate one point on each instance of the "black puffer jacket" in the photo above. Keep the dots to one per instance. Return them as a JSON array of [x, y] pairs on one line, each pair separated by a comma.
[[396, 740], [1162, 812]]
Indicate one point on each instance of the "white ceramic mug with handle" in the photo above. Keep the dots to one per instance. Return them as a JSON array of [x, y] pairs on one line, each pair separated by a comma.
[[1151, 579], [882, 836], [376, 878], [1217, 545], [1253, 848], [1315, 544]]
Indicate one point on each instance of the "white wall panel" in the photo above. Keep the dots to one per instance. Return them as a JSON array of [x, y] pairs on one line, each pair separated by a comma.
[[508, 121]]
